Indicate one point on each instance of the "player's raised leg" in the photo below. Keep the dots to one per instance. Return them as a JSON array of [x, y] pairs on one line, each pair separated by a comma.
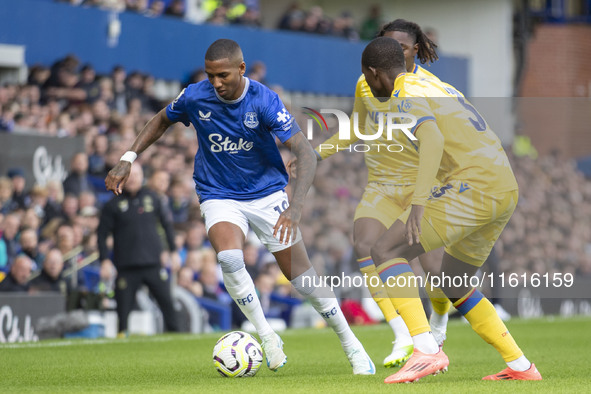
[[228, 241], [366, 231], [296, 266]]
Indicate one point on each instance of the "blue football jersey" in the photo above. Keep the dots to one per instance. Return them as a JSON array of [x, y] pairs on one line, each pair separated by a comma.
[[237, 157]]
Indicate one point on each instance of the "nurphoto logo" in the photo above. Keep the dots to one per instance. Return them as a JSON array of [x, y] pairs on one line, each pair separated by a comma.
[[387, 123]]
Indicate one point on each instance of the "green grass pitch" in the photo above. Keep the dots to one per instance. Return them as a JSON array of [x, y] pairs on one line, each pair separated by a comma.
[[182, 363]]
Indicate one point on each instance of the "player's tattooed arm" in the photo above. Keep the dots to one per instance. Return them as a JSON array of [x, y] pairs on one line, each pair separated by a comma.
[[306, 169], [151, 132]]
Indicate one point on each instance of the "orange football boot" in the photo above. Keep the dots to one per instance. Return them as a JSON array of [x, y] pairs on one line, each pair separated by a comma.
[[510, 374], [420, 365]]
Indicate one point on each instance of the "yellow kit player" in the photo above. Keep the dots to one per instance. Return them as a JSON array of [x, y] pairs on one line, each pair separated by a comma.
[[389, 190], [466, 215]]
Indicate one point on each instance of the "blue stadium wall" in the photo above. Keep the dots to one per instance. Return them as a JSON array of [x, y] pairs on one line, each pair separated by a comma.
[[170, 49]]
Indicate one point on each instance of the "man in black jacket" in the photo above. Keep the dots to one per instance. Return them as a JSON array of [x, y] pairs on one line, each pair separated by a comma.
[[132, 218]]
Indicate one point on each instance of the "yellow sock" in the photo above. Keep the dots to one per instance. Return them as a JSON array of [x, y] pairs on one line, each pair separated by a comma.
[[402, 286], [484, 320], [439, 300], [378, 292]]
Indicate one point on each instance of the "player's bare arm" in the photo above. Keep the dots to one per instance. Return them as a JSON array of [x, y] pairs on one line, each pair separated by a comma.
[[151, 132], [431, 142], [305, 171]]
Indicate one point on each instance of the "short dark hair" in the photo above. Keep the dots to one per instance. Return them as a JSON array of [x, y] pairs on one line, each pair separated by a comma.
[[427, 48], [223, 49], [383, 53]]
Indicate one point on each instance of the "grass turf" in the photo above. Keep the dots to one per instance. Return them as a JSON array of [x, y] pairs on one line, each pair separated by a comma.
[[182, 363]]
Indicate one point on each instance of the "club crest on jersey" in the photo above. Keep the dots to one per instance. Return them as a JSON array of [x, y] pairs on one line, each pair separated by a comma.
[[404, 106], [203, 116], [250, 120]]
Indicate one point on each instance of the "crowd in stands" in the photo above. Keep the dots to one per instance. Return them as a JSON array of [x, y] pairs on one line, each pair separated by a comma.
[[549, 231], [217, 12], [312, 20], [48, 232]]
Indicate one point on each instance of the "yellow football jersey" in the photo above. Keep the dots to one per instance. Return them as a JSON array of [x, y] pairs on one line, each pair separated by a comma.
[[472, 153], [389, 162]]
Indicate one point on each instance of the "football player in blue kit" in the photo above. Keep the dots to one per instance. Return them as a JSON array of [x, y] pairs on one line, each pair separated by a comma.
[[240, 180]]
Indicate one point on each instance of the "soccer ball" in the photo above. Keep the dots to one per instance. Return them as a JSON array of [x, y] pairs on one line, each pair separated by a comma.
[[237, 354]]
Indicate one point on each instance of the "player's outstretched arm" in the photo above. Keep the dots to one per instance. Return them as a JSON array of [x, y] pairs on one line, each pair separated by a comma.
[[305, 171], [150, 133]]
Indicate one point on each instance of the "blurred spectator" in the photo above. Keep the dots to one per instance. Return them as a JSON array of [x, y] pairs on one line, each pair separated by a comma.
[[178, 201], [159, 183], [77, 181], [194, 240], [187, 281], [372, 24], [196, 76], [258, 72], [135, 90], [344, 26], [19, 182], [7, 204], [156, 8], [251, 259], [251, 17], [29, 246], [9, 245], [71, 251], [86, 199], [139, 6], [312, 21], [50, 277], [235, 9], [176, 8], [18, 277], [96, 160], [265, 286], [88, 219], [218, 17], [286, 21], [210, 281], [38, 203], [118, 87], [38, 75], [194, 260], [432, 34], [88, 83], [69, 208], [55, 198]]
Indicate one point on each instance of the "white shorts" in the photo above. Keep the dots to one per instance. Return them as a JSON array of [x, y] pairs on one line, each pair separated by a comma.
[[261, 214]]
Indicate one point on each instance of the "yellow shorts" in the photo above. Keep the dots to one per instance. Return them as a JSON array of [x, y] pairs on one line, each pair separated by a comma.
[[465, 220], [384, 202]]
